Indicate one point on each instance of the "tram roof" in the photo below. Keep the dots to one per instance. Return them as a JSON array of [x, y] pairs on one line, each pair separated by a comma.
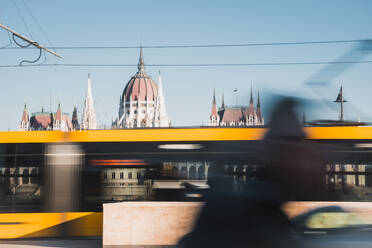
[[179, 134]]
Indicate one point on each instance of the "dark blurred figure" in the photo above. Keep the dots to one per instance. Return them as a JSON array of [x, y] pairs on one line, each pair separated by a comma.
[[251, 216]]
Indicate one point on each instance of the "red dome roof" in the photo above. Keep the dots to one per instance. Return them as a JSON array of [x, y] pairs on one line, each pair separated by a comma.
[[140, 87]]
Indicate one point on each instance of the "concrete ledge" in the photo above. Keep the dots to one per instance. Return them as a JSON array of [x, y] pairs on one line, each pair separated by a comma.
[[147, 223], [162, 224]]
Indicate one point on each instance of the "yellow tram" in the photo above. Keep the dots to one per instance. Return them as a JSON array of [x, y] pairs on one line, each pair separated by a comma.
[[54, 183]]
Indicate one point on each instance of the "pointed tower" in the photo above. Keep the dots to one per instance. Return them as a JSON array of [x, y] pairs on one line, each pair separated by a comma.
[[89, 117], [74, 120], [141, 63], [260, 120], [160, 118], [214, 118], [223, 101], [25, 122], [58, 120], [251, 107]]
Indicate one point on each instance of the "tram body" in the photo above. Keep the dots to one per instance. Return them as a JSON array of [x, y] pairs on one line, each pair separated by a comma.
[[54, 183]]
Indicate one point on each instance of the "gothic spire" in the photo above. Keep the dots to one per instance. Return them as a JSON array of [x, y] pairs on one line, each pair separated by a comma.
[[89, 116], [74, 120], [160, 118], [251, 107], [223, 101], [251, 99], [214, 107], [141, 63]]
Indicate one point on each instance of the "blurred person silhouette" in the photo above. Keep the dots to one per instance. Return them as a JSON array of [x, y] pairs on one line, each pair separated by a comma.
[[252, 216]]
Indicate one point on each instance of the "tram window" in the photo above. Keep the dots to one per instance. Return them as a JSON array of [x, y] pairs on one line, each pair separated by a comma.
[[20, 187]]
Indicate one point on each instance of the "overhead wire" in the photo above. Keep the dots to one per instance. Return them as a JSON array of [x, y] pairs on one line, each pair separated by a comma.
[[196, 65], [207, 45], [23, 20], [37, 23]]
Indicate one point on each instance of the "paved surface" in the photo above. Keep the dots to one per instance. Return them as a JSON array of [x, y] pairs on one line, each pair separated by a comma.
[[43, 243]]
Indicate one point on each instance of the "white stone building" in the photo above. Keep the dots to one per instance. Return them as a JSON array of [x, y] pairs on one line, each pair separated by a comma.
[[89, 116], [142, 102]]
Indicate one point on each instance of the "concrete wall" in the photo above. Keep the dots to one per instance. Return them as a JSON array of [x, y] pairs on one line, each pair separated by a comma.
[[147, 223]]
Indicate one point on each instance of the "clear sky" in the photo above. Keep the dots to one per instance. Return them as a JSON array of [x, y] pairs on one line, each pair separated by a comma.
[[188, 90]]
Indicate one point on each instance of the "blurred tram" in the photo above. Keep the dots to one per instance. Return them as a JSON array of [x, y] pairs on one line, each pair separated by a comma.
[[54, 183]]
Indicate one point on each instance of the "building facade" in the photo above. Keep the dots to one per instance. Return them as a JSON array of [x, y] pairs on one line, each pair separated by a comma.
[[142, 102], [236, 115], [45, 120]]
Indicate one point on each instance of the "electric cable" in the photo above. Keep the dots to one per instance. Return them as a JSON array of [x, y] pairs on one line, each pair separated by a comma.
[[38, 24], [198, 65], [208, 45], [23, 20]]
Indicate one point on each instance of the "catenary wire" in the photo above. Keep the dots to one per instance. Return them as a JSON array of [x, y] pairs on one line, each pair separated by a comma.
[[205, 45], [195, 65], [37, 22], [23, 20]]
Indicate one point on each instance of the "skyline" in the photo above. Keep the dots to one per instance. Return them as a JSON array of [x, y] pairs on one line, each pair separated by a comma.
[[188, 91]]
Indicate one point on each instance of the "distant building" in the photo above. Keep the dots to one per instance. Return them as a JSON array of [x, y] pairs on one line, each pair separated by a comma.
[[89, 116], [142, 102], [236, 115], [45, 120], [74, 120]]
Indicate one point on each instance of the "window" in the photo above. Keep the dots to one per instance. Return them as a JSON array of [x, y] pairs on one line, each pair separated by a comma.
[[121, 175], [113, 175], [130, 175], [34, 178], [105, 175], [25, 177]]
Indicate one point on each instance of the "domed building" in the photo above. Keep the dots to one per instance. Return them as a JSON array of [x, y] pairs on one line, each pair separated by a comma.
[[142, 102]]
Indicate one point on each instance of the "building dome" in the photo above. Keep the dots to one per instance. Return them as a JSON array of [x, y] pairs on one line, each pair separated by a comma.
[[140, 87]]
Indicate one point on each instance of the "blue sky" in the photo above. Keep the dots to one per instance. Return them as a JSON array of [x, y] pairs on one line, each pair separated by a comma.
[[188, 91]]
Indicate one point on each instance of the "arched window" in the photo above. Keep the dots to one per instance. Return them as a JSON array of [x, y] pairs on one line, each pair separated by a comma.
[[34, 177], [201, 172], [25, 176], [192, 172]]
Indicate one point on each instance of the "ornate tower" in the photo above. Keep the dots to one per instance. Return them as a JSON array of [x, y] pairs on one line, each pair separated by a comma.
[[89, 117], [160, 118], [25, 122], [214, 119], [251, 115], [74, 120]]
